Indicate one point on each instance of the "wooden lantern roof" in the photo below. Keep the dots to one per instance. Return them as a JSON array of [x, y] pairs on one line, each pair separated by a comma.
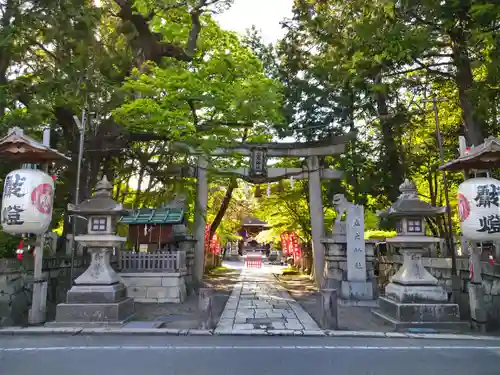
[[482, 157], [17, 146]]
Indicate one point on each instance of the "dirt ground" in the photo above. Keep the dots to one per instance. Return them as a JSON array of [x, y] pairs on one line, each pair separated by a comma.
[[185, 315], [350, 318]]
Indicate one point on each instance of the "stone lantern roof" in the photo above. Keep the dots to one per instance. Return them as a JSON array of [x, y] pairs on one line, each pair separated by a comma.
[[101, 203], [409, 204]]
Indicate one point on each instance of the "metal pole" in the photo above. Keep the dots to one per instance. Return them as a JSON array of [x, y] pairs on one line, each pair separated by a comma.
[[81, 129], [445, 185]]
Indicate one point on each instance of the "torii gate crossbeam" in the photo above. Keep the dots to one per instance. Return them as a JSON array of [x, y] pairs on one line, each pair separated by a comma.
[[259, 173]]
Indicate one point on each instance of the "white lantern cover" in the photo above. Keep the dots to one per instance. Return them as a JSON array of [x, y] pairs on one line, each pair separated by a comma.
[[27, 202], [479, 209]]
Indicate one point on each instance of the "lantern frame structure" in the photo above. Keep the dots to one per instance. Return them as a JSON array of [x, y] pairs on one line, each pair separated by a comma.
[[18, 147]]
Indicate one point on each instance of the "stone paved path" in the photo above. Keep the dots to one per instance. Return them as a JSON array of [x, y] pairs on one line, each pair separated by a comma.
[[259, 303]]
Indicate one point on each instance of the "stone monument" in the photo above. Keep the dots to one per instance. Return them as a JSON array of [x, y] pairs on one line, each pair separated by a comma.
[[347, 268], [414, 298], [98, 296], [357, 286]]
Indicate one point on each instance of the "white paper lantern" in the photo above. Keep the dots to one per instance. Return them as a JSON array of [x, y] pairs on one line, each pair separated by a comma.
[[28, 198], [479, 209]]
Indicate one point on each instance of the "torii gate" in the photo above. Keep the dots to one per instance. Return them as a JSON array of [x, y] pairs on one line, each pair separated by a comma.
[[259, 173]]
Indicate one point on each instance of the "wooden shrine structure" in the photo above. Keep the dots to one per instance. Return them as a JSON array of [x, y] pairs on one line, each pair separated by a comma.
[[153, 229]]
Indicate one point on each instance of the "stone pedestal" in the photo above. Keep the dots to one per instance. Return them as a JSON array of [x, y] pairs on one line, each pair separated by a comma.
[[350, 292], [98, 296], [414, 298]]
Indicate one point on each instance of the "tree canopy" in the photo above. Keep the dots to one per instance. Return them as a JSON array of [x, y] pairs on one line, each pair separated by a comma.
[[151, 74]]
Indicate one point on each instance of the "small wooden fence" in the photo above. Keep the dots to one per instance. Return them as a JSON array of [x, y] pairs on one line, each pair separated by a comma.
[[162, 261]]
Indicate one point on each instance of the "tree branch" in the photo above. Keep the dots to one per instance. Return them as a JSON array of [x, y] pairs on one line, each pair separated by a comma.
[[431, 71], [154, 49]]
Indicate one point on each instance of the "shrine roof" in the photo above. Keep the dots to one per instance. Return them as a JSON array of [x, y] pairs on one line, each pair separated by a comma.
[[253, 222], [483, 156], [19, 147], [164, 215]]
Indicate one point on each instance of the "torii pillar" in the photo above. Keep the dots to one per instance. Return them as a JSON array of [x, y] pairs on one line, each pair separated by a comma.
[[259, 173], [317, 218]]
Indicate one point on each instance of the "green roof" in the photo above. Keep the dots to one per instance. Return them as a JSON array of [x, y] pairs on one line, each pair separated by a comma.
[[155, 216]]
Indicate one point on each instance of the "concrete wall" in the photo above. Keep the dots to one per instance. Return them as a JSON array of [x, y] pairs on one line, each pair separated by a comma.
[[440, 268], [157, 287]]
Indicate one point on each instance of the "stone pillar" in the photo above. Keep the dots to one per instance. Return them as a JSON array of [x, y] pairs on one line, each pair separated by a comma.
[[317, 219], [476, 290], [187, 244], [205, 308], [200, 220], [357, 286], [329, 298]]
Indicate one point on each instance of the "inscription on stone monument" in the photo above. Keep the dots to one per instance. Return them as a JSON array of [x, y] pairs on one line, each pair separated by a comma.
[[356, 252]]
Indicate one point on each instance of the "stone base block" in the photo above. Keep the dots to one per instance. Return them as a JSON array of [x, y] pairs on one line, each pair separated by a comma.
[[357, 290], [97, 293], [416, 293], [332, 283], [95, 312], [459, 326], [157, 287], [420, 315]]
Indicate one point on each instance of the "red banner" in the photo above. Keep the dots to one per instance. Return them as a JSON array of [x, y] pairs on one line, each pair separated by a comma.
[[212, 246], [290, 243]]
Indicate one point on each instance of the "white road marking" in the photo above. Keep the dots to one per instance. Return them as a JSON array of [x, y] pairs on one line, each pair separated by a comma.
[[288, 347]]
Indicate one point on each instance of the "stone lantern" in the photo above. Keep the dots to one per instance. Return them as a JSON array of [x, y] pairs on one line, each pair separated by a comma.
[[98, 295], [414, 298]]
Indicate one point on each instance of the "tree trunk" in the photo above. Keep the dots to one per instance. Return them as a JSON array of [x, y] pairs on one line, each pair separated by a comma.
[[223, 207], [227, 198], [138, 191], [465, 83], [392, 164]]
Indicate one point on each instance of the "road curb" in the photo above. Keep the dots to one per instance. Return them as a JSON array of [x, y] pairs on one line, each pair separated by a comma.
[[73, 331]]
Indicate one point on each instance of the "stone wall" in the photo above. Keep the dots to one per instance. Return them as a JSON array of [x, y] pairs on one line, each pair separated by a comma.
[[336, 263], [440, 268], [16, 285], [157, 287]]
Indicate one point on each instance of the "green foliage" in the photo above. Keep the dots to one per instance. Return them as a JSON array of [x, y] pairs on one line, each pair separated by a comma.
[[148, 76], [368, 66], [379, 234]]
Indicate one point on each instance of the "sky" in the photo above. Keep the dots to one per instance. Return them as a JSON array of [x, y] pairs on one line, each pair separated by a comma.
[[264, 14]]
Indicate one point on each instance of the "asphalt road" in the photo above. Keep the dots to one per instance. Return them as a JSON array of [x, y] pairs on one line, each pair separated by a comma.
[[226, 355]]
